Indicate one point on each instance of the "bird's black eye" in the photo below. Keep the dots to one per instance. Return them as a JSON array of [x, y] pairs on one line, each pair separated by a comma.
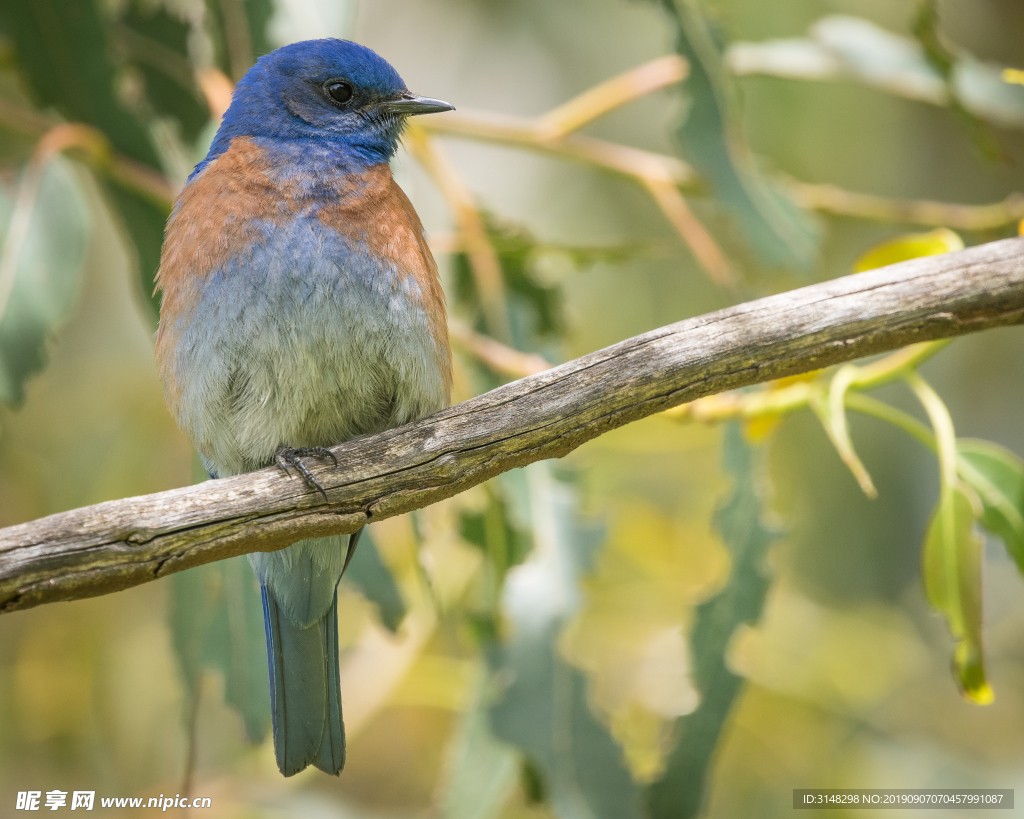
[[339, 91]]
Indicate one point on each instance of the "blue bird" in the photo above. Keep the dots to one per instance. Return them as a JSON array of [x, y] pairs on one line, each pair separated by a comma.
[[302, 307]]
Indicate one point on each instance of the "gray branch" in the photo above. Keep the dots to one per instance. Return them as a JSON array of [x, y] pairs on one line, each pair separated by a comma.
[[115, 545]]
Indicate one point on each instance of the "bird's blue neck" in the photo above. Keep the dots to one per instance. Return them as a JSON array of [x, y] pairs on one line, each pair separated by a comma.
[[316, 156]]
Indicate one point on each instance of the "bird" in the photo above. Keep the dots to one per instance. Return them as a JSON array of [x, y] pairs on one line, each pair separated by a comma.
[[301, 307]]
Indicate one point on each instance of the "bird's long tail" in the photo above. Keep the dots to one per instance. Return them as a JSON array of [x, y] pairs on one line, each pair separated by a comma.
[[305, 696], [300, 612]]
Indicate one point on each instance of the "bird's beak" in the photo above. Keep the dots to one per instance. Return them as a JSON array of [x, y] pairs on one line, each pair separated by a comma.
[[412, 104]]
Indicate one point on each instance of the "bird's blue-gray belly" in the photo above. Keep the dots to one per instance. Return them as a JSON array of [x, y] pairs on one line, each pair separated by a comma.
[[308, 341]]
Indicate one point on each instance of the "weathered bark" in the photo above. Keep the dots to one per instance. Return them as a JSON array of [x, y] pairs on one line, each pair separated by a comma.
[[112, 546]]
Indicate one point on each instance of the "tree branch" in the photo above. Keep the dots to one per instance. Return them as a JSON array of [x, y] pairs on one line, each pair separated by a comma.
[[115, 545]]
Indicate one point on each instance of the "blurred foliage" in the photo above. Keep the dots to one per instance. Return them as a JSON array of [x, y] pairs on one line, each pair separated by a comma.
[[238, 29], [710, 136], [997, 475], [62, 49], [680, 791], [603, 638], [844, 47], [40, 274], [575, 764], [215, 626], [376, 584], [925, 27], [64, 53], [482, 770], [504, 544], [539, 303], [155, 44]]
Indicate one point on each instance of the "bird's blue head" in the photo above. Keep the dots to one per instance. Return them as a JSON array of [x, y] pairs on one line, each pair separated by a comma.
[[334, 92]]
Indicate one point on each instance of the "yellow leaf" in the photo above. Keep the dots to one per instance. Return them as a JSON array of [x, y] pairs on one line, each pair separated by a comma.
[[1013, 75], [757, 430], [909, 246], [790, 380]]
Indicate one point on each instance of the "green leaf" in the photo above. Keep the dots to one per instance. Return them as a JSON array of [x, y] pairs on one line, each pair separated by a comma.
[[46, 266], [953, 551], [544, 710], [679, 793], [217, 625], [997, 475], [711, 139], [373, 578], [952, 579]]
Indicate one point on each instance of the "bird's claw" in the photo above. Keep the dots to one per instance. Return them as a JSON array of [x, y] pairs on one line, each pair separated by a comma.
[[288, 456]]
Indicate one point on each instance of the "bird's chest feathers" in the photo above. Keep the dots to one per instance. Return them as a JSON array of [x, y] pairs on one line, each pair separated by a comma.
[[303, 320]]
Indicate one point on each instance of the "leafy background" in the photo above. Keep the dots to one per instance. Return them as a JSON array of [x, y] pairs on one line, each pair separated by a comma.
[[679, 619]]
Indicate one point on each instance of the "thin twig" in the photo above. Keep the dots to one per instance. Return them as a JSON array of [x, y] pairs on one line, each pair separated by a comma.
[[238, 41], [138, 178], [505, 129], [126, 172], [499, 357], [24, 121], [835, 200], [172, 64], [217, 89], [657, 173], [703, 247], [632, 163], [604, 97], [661, 176]]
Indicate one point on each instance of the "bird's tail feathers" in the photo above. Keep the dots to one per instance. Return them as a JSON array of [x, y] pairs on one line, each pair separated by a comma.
[[305, 694]]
